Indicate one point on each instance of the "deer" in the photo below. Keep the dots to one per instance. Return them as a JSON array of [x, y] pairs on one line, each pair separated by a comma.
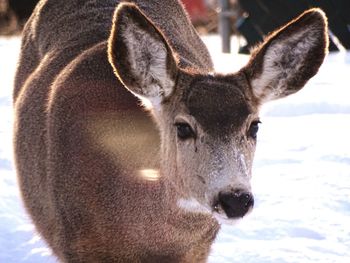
[[129, 146]]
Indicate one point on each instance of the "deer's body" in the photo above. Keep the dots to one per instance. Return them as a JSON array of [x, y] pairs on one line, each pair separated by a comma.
[[101, 181]]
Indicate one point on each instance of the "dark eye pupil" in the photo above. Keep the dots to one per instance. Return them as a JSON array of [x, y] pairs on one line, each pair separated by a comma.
[[184, 131], [253, 129]]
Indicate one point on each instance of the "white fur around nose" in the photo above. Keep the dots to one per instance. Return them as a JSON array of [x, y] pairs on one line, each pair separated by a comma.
[[192, 205], [243, 164]]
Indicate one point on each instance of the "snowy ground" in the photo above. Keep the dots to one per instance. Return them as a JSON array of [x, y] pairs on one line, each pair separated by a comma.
[[301, 175]]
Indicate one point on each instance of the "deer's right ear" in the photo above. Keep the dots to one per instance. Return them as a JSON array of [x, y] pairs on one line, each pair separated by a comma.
[[289, 57], [140, 55]]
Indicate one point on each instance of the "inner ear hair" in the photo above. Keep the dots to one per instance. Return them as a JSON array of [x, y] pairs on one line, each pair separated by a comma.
[[140, 54], [289, 57]]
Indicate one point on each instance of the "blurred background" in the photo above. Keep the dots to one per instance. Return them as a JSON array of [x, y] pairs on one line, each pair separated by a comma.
[[249, 19], [301, 172]]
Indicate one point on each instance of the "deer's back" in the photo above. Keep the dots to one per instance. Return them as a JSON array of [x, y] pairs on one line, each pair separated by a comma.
[[70, 27]]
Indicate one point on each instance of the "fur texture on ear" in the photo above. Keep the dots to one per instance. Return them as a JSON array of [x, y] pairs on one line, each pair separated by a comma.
[[289, 57], [140, 55]]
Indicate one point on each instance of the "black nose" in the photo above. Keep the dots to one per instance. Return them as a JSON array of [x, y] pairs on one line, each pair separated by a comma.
[[236, 204]]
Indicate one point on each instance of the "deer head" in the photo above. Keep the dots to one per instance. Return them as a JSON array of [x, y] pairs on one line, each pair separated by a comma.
[[208, 122]]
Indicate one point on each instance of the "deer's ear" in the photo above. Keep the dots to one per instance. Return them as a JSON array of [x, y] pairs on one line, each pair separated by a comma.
[[289, 57], [140, 55]]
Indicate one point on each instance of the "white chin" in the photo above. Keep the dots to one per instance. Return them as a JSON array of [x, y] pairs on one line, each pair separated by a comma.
[[224, 220]]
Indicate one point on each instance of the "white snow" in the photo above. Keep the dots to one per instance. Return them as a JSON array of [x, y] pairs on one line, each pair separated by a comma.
[[301, 177]]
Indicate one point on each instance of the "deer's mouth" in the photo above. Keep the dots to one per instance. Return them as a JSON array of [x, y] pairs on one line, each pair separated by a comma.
[[224, 220], [220, 216]]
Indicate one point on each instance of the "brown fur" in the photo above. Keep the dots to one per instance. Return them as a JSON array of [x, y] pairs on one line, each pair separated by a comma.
[[83, 143]]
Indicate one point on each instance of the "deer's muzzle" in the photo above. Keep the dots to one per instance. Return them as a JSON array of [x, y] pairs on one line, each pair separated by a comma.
[[236, 204]]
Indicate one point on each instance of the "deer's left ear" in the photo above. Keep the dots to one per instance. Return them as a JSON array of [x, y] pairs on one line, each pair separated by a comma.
[[289, 57]]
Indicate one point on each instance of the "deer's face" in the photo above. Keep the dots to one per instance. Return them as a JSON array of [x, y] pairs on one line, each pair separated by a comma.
[[210, 132], [208, 122]]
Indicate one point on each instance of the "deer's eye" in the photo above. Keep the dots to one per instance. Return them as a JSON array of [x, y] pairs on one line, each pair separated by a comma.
[[253, 129], [184, 131]]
